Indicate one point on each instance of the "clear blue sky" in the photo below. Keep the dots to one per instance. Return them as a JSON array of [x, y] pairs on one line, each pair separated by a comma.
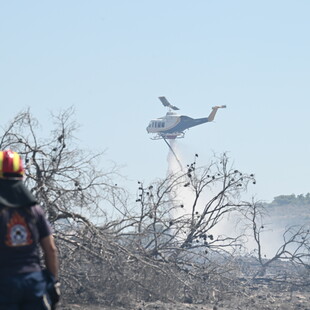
[[112, 59]]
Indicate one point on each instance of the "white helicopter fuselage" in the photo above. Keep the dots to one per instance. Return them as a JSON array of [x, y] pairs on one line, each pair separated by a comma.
[[162, 124]]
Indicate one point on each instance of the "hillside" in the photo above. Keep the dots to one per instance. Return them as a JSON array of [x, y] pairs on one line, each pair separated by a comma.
[[288, 210]]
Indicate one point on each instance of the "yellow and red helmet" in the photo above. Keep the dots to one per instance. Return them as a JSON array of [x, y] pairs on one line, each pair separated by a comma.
[[11, 165]]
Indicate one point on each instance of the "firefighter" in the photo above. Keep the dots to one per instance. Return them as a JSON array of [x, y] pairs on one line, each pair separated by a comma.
[[24, 285]]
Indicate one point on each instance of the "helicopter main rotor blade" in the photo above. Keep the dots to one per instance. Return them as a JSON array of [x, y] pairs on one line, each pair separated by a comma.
[[166, 103]]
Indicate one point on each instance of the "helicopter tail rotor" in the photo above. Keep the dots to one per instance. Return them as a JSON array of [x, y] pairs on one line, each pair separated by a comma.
[[219, 107]]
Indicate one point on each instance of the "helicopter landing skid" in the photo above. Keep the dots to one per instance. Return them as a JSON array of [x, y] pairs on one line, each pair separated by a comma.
[[170, 136]]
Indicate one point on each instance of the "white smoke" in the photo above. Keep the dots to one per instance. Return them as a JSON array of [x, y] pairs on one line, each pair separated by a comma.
[[232, 224], [177, 166], [175, 160]]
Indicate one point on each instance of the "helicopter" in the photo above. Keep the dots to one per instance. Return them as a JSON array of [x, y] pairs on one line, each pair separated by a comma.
[[172, 125]]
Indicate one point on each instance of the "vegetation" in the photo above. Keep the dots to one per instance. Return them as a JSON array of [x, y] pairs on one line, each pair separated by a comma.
[[168, 245], [299, 200]]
